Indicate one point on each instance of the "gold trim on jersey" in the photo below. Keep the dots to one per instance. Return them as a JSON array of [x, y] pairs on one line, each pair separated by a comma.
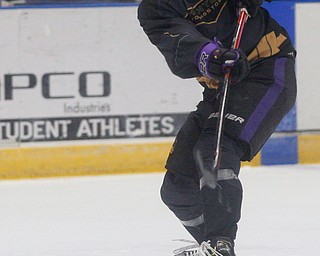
[[204, 9], [268, 46]]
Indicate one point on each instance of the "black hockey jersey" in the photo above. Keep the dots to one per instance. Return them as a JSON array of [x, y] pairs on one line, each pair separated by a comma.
[[179, 28]]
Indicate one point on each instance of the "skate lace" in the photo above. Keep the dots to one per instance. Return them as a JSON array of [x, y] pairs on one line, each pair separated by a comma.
[[188, 250], [205, 249]]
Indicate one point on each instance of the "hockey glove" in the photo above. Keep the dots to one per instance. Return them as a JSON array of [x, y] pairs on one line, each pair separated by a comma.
[[214, 61], [252, 6]]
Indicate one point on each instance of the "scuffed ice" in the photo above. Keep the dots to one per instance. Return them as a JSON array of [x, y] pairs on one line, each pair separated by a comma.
[[123, 215]]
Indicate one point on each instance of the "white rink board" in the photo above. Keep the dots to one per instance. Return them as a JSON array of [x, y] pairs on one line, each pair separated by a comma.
[[308, 59], [78, 40], [65, 44], [75, 78], [83, 63]]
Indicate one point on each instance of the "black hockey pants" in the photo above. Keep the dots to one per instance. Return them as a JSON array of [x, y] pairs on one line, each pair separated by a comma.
[[254, 109]]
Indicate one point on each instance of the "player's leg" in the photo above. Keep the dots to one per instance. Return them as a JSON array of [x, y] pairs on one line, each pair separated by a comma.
[[180, 189], [276, 100], [255, 108], [222, 206], [257, 105], [182, 195]]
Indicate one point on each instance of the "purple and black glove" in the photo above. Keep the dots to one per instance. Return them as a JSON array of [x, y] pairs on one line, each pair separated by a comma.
[[214, 60]]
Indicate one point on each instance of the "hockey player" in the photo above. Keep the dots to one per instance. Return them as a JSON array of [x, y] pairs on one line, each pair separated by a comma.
[[195, 38]]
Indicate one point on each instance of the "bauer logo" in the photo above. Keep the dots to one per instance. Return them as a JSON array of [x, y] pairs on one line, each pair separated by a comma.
[[229, 116], [56, 85]]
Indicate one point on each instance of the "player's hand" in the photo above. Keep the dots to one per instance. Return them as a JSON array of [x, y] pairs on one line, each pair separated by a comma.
[[214, 61], [237, 61], [252, 6]]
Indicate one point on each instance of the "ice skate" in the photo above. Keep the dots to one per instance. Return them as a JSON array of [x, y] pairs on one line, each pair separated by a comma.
[[221, 247]]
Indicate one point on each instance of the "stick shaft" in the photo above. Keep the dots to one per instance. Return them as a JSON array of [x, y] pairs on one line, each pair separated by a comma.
[[243, 16]]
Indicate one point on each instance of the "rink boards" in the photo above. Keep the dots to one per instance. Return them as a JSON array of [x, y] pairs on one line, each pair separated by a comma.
[[83, 92]]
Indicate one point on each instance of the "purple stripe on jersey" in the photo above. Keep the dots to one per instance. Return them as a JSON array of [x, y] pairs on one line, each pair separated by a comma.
[[266, 103]]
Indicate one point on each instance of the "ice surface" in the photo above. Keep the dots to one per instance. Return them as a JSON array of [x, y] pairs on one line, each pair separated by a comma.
[[122, 215]]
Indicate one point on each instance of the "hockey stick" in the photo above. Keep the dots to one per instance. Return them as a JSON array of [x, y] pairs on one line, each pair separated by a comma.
[[243, 16], [210, 178]]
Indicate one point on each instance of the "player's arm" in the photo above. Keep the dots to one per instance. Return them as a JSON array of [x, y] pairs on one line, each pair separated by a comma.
[[187, 52], [176, 37]]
